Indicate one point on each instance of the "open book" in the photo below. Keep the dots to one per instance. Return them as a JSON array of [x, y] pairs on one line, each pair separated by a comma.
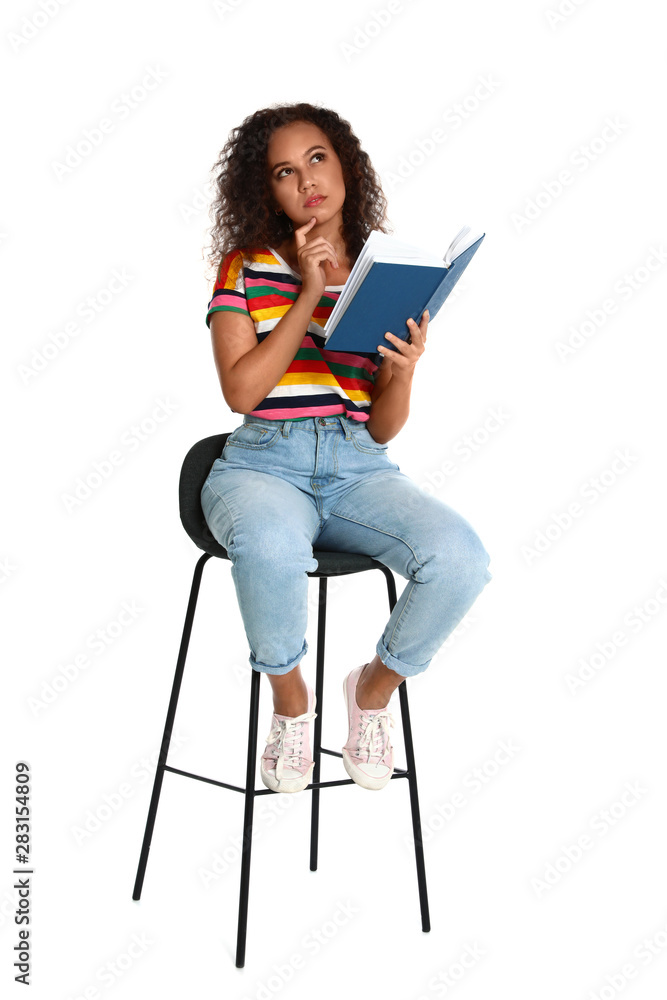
[[390, 282]]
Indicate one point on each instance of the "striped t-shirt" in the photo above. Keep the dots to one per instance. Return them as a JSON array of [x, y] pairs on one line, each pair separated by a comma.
[[257, 282]]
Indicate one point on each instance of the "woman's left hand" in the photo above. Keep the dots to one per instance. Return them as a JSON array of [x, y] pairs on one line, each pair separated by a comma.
[[408, 353]]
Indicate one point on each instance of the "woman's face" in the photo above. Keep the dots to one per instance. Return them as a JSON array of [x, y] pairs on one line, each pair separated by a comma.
[[301, 163]]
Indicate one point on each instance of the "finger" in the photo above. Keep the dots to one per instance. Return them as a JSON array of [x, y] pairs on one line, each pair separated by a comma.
[[323, 249], [300, 233], [398, 342], [392, 356], [415, 331]]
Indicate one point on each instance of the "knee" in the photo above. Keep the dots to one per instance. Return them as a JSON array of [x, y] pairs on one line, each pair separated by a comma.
[[460, 557]]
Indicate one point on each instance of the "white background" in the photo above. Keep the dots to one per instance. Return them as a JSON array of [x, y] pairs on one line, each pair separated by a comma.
[[499, 878]]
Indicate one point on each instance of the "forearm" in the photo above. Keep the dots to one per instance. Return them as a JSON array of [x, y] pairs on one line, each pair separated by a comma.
[[391, 409], [258, 371]]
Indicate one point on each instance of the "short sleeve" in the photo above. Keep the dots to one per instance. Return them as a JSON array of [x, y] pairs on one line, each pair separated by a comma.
[[229, 290]]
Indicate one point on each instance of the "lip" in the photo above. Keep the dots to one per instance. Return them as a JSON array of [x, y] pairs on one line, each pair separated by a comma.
[[315, 200]]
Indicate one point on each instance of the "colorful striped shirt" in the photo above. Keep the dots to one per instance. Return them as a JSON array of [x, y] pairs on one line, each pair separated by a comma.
[[256, 282]]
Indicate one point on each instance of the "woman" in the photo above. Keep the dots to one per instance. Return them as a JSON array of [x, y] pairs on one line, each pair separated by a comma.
[[296, 199]]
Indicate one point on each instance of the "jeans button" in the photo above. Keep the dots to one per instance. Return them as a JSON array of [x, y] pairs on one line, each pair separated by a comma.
[[322, 420]]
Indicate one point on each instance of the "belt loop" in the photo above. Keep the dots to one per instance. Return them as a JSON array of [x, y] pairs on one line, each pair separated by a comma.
[[286, 428]]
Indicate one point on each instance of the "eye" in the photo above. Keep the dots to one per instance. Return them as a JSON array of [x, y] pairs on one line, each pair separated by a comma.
[[280, 172]]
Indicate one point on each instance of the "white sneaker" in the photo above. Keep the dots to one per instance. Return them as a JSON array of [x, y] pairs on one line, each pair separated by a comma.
[[368, 755], [287, 762]]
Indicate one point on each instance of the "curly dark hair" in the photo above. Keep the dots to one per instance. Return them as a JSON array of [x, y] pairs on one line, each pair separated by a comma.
[[242, 210]]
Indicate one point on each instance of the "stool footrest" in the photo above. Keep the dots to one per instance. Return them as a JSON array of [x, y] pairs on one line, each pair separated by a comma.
[[399, 772]]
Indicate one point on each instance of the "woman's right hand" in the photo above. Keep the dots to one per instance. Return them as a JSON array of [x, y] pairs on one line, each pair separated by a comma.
[[311, 256]]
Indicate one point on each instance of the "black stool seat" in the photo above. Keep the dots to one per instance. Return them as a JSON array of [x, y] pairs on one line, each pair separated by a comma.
[[194, 472]]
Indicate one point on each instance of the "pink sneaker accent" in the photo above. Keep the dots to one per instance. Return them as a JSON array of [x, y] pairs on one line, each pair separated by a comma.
[[287, 762], [368, 755]]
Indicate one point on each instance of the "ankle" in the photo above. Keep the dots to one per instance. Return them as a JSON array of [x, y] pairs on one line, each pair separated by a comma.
[[370, 697], [291, 704], [371, 692], [371, 700], [290, 693], [290, 708]]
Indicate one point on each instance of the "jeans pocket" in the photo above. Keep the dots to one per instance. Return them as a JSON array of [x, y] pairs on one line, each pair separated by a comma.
[[255, 435], [364, 441]]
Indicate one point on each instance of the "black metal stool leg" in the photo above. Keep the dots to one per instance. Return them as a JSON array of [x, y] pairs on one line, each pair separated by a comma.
[[414, 804], [171, 712], [412, 776], [317, 736], [251, 768]]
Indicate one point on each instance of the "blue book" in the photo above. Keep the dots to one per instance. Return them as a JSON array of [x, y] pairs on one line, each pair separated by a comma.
[[389, 282]]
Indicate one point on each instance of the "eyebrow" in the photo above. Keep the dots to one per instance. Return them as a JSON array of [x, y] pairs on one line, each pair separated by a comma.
[[286, 162]]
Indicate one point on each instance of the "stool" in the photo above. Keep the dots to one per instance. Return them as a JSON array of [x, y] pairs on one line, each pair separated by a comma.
[[195, 469]]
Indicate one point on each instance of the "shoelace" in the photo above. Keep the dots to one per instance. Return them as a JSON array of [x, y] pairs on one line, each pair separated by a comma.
[[283, 741], [375, 735]]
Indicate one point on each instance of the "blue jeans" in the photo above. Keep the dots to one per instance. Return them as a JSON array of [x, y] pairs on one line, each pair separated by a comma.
[[281, 487]]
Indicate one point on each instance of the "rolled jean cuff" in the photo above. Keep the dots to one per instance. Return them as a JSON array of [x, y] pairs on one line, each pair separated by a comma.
[[405, 669], [265, 669]]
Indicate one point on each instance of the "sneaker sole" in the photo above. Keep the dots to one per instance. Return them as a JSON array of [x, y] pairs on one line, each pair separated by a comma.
[[296, 786]]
